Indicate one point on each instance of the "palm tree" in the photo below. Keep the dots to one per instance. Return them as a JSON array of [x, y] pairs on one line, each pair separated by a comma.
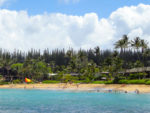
[[144, 45], [119, 45], [122, 43], [136, 43], [126, 42], [82, 60]]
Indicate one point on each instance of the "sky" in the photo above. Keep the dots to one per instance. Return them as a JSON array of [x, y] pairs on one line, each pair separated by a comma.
[[40, 24]]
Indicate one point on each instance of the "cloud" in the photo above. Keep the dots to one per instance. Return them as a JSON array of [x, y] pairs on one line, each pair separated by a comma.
[[69, 1], [133, 21], [18, 30], [2, 2]]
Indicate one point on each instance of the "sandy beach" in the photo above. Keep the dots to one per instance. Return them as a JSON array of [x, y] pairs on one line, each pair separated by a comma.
[[82, 87]]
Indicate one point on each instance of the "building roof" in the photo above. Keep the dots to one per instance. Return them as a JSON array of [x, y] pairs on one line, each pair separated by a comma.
[[135, 70]]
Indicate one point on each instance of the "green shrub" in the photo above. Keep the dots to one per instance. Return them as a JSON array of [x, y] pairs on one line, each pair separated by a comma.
[[17, 81], [133, 76], [148, 82], [50, 82], [69, 78], [137, 82], [137, 75], [87, 80], [3, 82], [123, 81], [109, 82], [133, 81]]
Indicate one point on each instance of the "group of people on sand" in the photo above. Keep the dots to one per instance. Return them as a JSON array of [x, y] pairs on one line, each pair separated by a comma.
[[70, 84], [116, 91], [136, 91]]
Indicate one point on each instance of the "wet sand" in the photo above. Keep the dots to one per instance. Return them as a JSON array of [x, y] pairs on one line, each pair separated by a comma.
[[82, 87]]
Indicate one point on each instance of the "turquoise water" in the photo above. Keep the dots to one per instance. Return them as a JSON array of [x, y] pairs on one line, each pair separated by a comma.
[[46, 101]]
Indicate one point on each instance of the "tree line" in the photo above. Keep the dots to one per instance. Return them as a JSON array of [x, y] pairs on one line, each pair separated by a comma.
[[37, 65]]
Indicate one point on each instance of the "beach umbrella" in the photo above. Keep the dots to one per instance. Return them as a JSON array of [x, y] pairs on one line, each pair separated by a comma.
[[27, 80]]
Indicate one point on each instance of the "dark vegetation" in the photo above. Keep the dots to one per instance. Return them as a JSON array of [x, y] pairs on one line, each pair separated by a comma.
[[88, 65]]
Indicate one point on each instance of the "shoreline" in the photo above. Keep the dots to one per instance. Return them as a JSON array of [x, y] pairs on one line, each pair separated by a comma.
[[82, 87]]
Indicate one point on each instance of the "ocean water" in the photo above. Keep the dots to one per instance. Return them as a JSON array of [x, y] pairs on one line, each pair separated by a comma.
[[47, 101]]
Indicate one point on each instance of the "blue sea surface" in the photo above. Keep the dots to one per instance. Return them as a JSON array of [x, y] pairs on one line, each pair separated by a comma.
[[48, 101]]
